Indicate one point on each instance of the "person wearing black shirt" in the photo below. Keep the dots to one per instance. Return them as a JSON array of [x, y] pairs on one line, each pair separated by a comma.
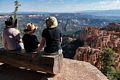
[[30, 40], [51, 37]]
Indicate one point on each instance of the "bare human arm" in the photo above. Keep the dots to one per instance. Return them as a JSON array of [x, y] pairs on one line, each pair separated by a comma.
[[42, 44], [61, 40]]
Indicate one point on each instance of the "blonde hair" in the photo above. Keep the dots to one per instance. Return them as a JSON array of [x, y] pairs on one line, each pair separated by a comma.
[[51, 22]]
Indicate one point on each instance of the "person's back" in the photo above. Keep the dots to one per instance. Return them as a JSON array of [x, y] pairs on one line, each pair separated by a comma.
[[11, 37], [30, 40], [30, 43], [52, 37]]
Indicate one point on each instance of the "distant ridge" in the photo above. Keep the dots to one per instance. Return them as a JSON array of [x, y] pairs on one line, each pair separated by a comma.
[[33, 12], [23, 12], [103, 12], [2, 13], [114, 13]]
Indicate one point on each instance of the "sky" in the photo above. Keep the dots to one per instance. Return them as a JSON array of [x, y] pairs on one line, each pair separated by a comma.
[[59, 5]]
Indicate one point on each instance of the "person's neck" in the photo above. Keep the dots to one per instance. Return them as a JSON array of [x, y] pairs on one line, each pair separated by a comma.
[[9, 26]]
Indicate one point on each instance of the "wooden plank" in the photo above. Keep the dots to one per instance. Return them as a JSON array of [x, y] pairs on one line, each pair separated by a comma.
[[45, 63]]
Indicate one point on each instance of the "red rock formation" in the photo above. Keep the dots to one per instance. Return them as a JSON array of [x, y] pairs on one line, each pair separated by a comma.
[[92, 55], [98, 39], [88, 54]]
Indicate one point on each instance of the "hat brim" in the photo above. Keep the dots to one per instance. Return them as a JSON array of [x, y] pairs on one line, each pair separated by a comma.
[[29, 31], [26, 30]]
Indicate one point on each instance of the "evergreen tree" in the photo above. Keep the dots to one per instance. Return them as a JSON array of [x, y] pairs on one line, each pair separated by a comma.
[[107, 63]]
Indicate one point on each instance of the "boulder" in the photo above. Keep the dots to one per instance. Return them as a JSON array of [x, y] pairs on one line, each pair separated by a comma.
[[71, 70]]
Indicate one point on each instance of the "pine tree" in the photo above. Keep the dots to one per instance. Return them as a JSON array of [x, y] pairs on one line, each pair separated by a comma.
[[107, 63]]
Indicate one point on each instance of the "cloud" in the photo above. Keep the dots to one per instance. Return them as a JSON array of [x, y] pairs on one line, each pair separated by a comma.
[[103, 5], [55, 1], [100, 5], [77, 5], [65, 5]]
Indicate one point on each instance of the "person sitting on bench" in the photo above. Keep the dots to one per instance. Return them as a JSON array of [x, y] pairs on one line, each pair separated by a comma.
[[30, 40], [51, 37], [11, 36]]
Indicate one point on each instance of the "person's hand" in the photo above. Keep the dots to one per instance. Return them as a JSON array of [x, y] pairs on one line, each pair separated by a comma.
[[34, 55], [40, 50]]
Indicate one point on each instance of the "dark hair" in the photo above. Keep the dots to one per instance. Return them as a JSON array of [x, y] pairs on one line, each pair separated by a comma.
[[8, 23]]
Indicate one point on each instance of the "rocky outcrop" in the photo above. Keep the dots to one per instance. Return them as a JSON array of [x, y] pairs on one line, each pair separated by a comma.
[[78, 70], [71, 70], [89, 55], [92, 55], [98, 39]]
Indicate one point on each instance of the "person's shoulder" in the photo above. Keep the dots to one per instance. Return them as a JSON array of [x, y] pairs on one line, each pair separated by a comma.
[[45, 30], [58, 29], [15, 30], [25, 36]]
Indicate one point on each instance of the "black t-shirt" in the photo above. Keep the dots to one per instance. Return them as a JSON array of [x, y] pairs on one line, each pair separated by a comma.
[[52, 37], [30, 43]]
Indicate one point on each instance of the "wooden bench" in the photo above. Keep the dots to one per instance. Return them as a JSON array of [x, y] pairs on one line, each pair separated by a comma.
[[46, 63]]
